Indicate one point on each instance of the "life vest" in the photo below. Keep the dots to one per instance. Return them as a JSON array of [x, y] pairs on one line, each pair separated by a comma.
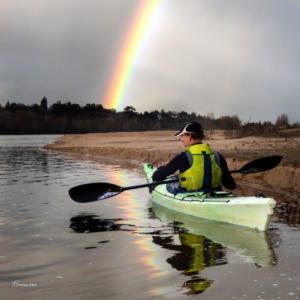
[[204, 171]]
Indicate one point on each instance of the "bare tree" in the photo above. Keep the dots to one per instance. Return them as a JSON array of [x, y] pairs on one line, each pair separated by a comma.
[[282, 121]]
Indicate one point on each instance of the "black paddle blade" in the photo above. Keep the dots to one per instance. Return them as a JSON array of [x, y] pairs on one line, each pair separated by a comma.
[[261, 164], [94, 191]]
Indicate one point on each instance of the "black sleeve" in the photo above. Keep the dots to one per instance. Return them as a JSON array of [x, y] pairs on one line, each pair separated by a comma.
[[227, 179], [179, 162]]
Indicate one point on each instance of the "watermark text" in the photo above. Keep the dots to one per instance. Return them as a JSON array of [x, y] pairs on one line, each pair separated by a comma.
[[19, 284]]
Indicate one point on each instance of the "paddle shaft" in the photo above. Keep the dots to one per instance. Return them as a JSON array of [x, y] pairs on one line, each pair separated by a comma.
[[160, 182], [122, 189], [148, 185], [236, 171]]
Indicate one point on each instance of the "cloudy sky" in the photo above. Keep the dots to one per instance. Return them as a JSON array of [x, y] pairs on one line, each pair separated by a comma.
[[232, 57]]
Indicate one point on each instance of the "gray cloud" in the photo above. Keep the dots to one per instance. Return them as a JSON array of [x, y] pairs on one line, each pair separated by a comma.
[[230, 58], [226, 57], [61, 49]]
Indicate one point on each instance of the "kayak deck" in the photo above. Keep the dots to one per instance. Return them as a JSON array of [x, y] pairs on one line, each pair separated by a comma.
[[253, 212]]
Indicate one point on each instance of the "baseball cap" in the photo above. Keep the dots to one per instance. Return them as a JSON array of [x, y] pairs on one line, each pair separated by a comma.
[[190, 128]]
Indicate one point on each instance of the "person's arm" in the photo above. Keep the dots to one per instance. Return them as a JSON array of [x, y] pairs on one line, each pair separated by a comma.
[[179, 162], [227, 179]]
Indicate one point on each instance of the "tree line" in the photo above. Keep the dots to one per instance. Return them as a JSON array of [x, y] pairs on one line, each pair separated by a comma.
[[63, 118]]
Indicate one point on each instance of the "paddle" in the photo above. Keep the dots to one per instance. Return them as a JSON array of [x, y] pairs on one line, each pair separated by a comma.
[[259, 165], [101, 190]]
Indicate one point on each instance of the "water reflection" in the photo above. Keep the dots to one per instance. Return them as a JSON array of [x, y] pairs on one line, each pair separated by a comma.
[[85, 223], [253, 245], [134, 209], [202, 244], [127, 203], [289, 212], [192, 255]]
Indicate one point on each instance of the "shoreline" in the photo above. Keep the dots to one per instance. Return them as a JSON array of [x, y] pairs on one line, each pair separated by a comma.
[[158, 147]]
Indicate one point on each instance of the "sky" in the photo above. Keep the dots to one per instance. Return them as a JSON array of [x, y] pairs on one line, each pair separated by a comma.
[[232, 57]]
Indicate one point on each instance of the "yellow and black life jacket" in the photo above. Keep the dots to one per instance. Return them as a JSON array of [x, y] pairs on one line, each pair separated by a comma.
[[204, 171]]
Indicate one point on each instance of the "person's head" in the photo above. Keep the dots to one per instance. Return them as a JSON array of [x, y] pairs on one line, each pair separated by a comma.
[[191, 133]]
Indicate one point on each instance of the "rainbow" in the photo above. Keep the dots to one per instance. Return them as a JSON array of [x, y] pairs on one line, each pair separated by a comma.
[[129, 52]]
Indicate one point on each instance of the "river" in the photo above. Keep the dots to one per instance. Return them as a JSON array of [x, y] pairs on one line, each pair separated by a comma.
[[123, 247]]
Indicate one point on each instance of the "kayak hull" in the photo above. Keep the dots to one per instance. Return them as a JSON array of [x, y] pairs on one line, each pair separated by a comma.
[[252, 212]]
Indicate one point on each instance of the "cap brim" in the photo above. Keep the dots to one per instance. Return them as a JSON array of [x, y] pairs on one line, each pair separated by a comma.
[[179, 133], [182, 132], [193, 128]]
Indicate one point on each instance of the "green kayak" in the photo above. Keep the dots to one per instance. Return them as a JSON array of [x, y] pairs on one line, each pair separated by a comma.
[[252, 212]]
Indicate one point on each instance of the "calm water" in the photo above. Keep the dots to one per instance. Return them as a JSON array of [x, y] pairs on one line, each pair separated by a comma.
[[122, 248]]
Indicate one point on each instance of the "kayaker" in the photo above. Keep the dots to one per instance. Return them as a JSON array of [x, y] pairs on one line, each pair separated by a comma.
[[199, 166]]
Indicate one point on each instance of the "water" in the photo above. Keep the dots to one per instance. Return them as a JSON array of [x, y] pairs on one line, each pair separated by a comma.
[[122, 247]]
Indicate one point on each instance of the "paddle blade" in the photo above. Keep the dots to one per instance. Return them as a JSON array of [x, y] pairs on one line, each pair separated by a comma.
[[94, 191], [261, 164]]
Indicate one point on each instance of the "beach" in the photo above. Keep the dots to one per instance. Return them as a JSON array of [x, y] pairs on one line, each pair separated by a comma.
[[158, 147]]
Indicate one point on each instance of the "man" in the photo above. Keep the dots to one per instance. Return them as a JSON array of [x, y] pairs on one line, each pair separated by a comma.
[[200, 167]]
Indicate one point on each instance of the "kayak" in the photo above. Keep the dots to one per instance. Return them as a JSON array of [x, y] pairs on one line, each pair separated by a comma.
[[252, 211]]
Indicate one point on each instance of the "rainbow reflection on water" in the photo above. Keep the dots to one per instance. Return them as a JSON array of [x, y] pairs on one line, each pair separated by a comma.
[[134, 207]]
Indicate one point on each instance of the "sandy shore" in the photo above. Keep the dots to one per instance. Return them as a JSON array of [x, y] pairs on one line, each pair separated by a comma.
[[157, 147]]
